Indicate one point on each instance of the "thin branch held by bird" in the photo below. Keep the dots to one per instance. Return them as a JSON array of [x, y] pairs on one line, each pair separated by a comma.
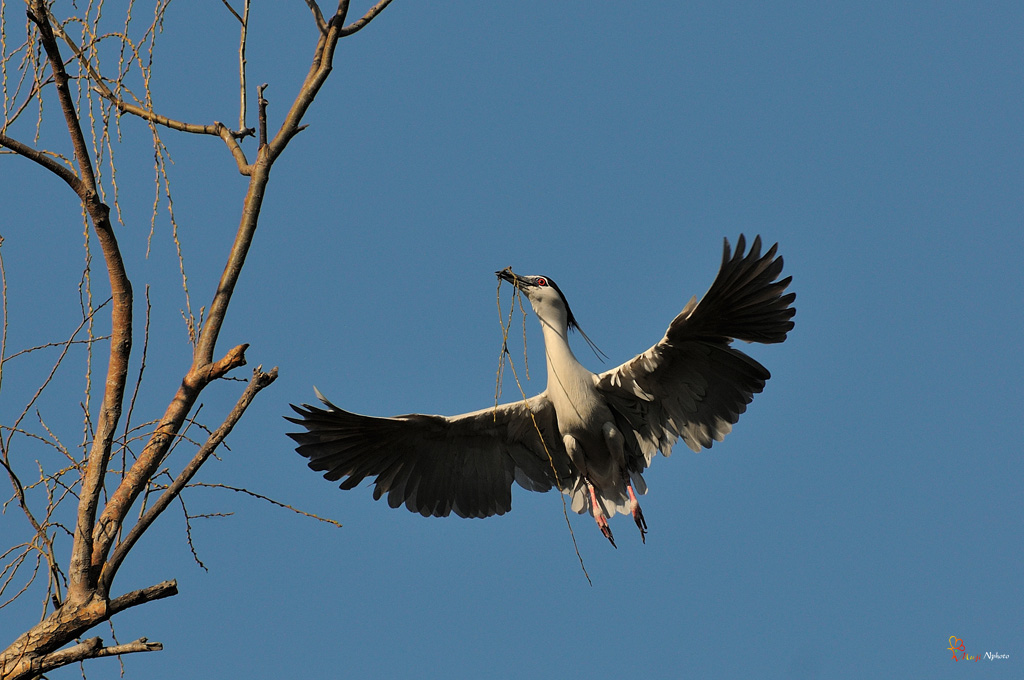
[[516, 296]]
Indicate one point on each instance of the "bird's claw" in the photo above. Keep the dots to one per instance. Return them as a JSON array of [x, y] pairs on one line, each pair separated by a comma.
[[641, 523], [638, 514], [602, 524]]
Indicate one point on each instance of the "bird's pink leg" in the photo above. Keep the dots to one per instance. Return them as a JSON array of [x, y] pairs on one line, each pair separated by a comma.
[[602, 521], [638, 514]]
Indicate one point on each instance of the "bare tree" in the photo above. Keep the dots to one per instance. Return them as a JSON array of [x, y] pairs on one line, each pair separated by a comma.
[[84, 517]]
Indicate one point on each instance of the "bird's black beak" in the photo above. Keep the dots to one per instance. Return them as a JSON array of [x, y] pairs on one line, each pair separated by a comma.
[[507, 274]]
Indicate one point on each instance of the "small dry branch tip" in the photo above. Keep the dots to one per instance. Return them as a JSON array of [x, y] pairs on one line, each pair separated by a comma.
[[262, 114], [501, 365]]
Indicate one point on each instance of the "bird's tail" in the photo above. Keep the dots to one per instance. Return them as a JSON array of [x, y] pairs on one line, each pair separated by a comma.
[[613, 501]]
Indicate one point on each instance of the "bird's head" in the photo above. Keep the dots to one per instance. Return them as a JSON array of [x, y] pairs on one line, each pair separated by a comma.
[[548, 301], [544, 295]]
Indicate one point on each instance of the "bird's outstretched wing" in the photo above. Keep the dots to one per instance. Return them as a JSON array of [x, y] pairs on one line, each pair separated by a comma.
[[693, 384], [436, 465]]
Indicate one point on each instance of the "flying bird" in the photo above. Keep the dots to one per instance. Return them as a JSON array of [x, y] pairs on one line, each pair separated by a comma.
[[589, 435]]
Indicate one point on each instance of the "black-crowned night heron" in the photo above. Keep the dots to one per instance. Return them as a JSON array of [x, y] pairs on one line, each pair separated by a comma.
[[591, 435]]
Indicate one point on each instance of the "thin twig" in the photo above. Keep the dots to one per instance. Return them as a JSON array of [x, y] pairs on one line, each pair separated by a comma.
[[100, 87], [47, 345], [188, 535], [269, 500], [3, 291], [551, 461], [244, 19], [233, 12], [11, 571], [60, 359]]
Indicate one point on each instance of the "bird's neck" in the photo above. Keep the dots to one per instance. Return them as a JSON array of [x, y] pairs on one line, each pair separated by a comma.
[[566, 375]]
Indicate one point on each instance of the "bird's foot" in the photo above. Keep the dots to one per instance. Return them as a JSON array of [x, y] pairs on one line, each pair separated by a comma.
[[602, 521], [602, 524], [638, 514]]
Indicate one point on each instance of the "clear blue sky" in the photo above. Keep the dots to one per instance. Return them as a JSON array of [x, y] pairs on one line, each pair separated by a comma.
[[867, 506]]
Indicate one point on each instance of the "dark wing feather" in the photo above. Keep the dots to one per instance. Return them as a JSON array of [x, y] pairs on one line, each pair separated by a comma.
[[693, 384], [436, 465]]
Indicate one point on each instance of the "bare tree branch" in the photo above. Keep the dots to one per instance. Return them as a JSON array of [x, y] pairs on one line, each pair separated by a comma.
[[367, 18], [262, 114], [92, 649], [258, 382], [244, 19], [146, 465], [319, 70], [143, 596], [59, 169], [215, 129], [39, 14], [140, 645], [236, 150], [101, 539], [261, 497], [321, 25], [341, 14], [233, 12], [81, 575], [100, 87], [24, 656]]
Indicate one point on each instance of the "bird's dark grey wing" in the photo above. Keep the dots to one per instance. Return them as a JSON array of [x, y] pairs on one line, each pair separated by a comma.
[[693, 384], [436, 465]]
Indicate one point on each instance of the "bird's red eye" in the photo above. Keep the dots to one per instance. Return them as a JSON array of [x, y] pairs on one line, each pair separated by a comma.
[[541, 281]]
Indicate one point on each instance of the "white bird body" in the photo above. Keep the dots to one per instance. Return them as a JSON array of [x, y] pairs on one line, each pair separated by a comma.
[[590, 435], [584, 419]]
